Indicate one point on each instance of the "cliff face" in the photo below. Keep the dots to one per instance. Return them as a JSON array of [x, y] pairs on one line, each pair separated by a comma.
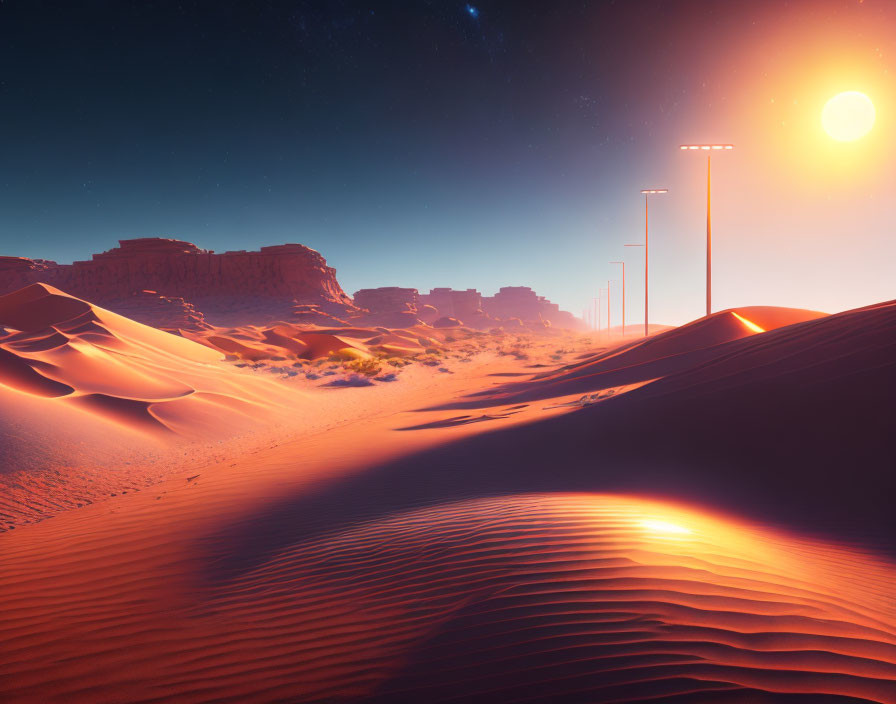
[[229, 288], [165, 312], [518, 303], [387, 299], [523, 303], [18, 272], [463, 305], [173, 284]]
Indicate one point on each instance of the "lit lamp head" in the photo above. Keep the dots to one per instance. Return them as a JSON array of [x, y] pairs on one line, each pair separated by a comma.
[[706, 148], [647, 191]]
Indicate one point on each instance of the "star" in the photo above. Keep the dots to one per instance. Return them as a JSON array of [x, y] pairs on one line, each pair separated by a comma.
[[472, 11]]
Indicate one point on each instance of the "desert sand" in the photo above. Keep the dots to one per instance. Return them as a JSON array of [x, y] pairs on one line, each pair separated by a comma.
[[466, 516]]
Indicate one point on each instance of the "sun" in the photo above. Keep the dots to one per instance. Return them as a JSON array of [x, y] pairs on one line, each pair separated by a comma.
[[848, 116]]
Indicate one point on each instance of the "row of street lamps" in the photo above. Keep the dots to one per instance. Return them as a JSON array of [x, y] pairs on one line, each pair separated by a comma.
[[647, 192]]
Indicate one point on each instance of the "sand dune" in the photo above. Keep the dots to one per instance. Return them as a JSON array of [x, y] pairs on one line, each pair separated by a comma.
[[822, 351], [645, 359], [93, 404], [793, 423], [527, 598], [285, 342], [459, 560], [66, 349]]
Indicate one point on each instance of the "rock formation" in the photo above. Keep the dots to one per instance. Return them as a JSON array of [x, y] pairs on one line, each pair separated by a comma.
[[387, 299], [311, 314], [175, 285], [516, 305], [463, 305], [387, 306], [428, 314], [164, 312], [523, 303], [229, 288]]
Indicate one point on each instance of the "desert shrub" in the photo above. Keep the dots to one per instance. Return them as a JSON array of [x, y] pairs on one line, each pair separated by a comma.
[[351, 380], [347, 354], [367, 367]]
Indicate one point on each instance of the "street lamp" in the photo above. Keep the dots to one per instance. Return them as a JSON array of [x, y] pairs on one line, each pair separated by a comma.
[[709, 149], [608, 312], [647, 193], [623, 296]]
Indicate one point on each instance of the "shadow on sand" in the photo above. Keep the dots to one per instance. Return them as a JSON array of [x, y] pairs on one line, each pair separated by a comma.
[[816, 457]]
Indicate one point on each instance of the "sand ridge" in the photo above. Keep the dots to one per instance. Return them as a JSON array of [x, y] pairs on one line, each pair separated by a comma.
[[534, 597], [130, 374]]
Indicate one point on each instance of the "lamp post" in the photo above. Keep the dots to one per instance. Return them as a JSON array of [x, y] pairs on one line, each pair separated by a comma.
[[647, 193], [623, 296], [608, 312], [709, 149]]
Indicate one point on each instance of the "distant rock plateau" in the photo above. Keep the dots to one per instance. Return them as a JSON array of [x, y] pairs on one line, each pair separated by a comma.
[[512, 306], [175, 285]]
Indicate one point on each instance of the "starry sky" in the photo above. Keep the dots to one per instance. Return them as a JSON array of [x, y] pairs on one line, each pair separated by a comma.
[[437, 143]]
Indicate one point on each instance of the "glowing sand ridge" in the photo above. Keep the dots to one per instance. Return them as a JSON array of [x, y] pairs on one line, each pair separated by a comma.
[[749, 323], [551, 597]]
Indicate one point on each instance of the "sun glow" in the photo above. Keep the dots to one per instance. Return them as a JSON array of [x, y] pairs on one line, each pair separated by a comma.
[[657, 526], [848, 116]]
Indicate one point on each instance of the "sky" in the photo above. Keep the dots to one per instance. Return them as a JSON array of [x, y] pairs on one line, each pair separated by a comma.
[[435, 143]]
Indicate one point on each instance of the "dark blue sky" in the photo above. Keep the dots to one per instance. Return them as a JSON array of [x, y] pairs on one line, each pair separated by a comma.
[[412, 143]]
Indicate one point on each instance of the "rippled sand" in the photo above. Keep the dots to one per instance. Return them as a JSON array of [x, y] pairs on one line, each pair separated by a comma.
[[558, 597]]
